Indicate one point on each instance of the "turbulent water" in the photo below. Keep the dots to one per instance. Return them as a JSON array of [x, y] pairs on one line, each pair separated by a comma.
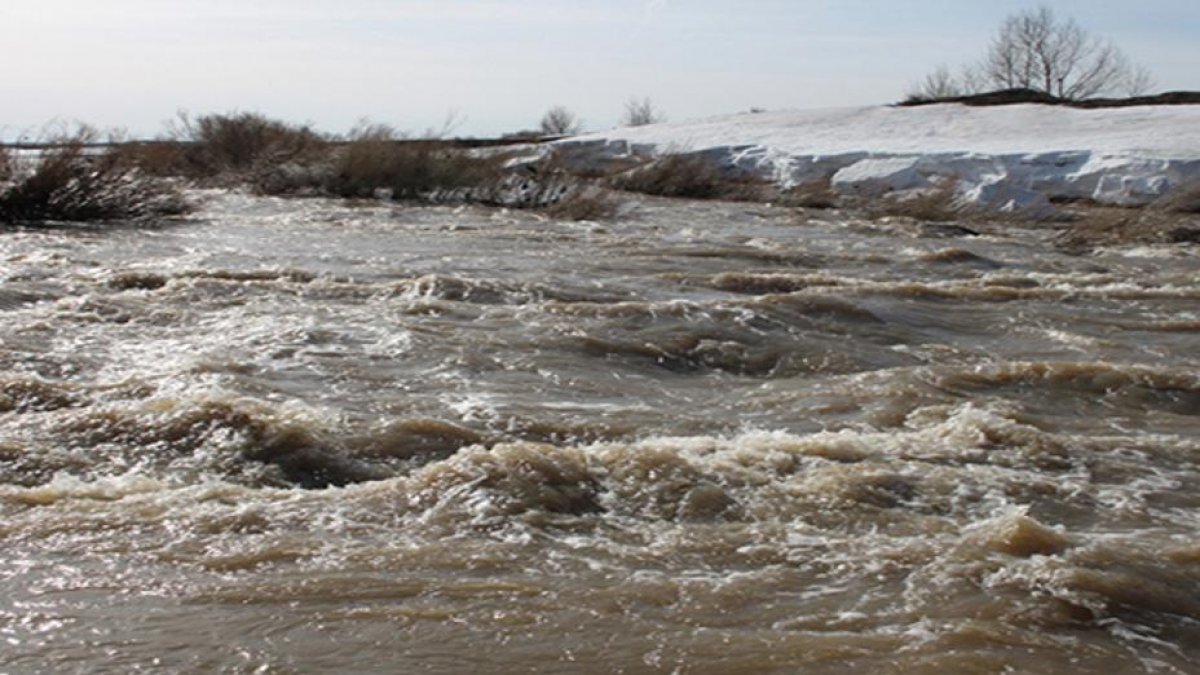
[[308, 436]]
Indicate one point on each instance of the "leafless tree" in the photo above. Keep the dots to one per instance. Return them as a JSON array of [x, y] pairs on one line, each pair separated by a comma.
[[558, 121], [1035, 50], [639, 113]]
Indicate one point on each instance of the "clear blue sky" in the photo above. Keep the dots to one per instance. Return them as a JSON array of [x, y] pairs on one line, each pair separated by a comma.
[[498, 64]]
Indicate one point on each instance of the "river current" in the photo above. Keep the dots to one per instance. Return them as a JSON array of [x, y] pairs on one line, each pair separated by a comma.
[[313, 436]]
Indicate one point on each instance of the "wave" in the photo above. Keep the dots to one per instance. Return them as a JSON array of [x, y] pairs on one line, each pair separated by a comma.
[[22, 394], [1125, 387], [492, 292], [997, 287], [959, 256], [922, 466]]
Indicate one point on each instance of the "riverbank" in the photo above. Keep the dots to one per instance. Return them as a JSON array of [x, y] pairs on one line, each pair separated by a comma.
[[1016, 158]]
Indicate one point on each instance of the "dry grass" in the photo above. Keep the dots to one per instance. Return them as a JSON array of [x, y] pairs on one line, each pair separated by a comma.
[[689, 176], [1183, 199], [552, 186], [935, 205], [1095, 226], [815, 195], [73, 181], [6, 164], [585, 203]]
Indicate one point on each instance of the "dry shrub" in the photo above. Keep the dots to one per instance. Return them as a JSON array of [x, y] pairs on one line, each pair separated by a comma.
[[1183, 199], [73, 179], [689, 176], [640, 113], [237, 145], [156, 158], [559, 121], [377, 160]]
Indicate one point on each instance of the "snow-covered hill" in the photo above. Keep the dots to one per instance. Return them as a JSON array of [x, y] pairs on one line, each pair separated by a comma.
[[1008, 157]]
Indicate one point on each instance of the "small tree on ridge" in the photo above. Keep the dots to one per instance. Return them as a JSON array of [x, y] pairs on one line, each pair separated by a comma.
[[558, 121], [640, 113]]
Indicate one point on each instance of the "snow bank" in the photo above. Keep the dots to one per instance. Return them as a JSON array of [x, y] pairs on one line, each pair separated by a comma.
[[1013, 157]]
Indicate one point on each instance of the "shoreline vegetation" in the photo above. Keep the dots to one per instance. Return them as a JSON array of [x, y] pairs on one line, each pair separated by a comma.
[[80, 175]]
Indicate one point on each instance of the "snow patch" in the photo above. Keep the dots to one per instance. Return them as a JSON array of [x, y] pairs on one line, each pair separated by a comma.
[[1010, 158], [876, 177]]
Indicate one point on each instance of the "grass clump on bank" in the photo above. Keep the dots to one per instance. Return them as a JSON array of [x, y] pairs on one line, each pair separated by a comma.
[[939, 204], [813, 195], [1183, 199], [689, 176], [72, 180], [6, 164], [584, 203]]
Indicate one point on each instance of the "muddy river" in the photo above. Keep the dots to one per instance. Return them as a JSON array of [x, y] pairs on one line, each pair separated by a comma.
[[313, 436]]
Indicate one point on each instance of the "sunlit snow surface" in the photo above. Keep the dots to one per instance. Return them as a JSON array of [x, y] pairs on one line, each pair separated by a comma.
[[1011, 157]]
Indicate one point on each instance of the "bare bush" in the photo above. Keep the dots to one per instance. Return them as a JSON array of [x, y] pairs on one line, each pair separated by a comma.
[[942, 83], [558, 121], [640, 113], [73, 180], [377, 161], [238, 144], [163, 158], [690, 176], [1034, 49]]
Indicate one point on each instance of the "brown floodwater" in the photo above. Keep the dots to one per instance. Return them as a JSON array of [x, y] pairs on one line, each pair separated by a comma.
[[311, 436]]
